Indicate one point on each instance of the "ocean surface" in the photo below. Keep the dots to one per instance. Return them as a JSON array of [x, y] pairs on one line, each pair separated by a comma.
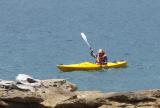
[[37, 35]]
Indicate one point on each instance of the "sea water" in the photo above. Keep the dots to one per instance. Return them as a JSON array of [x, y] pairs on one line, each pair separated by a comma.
[[37, 35]]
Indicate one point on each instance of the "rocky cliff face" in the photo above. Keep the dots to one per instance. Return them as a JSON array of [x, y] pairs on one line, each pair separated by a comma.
[[59, 93]]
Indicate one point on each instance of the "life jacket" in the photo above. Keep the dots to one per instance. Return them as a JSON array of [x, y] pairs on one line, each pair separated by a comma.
[[101, 60]]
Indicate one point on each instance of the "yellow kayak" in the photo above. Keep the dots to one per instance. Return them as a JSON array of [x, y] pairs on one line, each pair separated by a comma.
[[88, 66]]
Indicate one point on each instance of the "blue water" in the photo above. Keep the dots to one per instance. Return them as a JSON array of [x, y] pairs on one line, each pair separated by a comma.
[[36, 35]]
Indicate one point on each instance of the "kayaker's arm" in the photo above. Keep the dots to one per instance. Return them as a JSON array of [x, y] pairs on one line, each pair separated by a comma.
[[93, 54]]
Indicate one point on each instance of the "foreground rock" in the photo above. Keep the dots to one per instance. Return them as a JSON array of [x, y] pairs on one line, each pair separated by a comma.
[[139, 99], [56, 91], [48, 94], [59, 93]]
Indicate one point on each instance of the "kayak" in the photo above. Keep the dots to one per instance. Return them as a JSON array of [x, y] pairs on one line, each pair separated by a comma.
[[89, 66]]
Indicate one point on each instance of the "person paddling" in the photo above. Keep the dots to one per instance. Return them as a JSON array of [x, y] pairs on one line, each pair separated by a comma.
[[101, 57]]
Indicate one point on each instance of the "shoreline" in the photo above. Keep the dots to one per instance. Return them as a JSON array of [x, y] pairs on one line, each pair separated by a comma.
[[60, 93]]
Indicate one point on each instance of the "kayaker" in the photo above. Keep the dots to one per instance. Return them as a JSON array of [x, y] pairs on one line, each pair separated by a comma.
[[101, 57]]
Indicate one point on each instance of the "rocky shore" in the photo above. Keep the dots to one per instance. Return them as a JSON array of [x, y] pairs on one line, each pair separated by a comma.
[[59, 93]]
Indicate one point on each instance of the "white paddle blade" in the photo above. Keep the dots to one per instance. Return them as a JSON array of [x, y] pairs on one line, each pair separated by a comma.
[[84, 36], [85, 39]]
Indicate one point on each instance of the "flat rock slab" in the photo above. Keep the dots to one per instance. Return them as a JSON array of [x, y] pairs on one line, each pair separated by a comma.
[[95, 99]]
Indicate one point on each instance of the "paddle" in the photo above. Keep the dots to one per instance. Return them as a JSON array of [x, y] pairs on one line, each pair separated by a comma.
[[85, 39]]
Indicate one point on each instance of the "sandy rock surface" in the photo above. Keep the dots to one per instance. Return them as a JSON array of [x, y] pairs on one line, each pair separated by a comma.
[[59, 93]]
